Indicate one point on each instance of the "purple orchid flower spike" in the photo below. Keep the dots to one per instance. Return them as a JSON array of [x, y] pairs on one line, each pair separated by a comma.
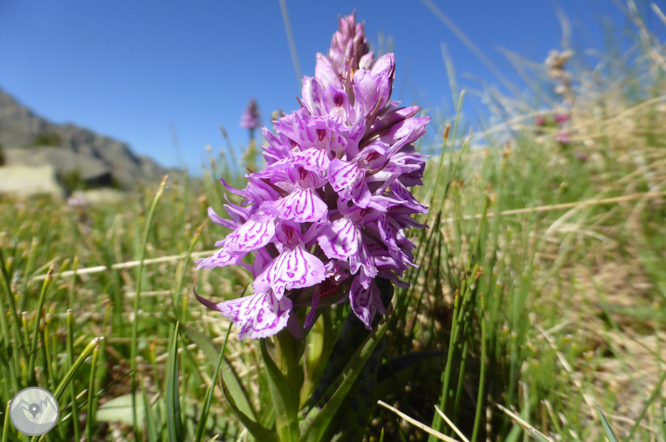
[[251, 118], [330, 211]]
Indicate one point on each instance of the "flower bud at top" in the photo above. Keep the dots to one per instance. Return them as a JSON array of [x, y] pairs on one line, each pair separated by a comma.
[[349, 47]]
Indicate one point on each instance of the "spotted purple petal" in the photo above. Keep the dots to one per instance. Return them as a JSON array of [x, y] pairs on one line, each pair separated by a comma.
[[409, 201], [221, 258], [340, 239], [362, 260], [313, 160], [288, 233], [360, 192], [312, 96], [364, 301], [343, 175], [293, 269], [303, 206], [251, 236], [258, 316]]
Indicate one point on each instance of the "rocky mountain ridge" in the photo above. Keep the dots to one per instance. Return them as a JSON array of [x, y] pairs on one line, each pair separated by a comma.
[[31, 140]]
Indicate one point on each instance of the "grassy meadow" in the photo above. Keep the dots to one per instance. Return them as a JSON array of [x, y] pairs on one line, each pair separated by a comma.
[[540, 297]]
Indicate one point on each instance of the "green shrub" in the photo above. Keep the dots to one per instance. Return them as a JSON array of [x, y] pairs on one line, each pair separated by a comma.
[[72, 181], [49, 139]]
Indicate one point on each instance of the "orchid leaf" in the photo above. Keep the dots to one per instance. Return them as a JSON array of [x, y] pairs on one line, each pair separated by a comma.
[[352, 418], [258, 431]]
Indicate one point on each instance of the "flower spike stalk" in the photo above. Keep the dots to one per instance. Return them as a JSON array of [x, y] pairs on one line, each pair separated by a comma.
[[328, 213]]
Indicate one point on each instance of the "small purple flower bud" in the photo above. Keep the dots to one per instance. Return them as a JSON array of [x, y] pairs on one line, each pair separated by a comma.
[[539, 121]]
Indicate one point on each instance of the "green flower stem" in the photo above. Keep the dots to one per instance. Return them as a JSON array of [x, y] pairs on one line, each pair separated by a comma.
[[290, 355]]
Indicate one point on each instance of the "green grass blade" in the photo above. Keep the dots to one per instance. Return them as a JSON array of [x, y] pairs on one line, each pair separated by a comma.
[[91, 394], [181, 277], [609, 431], [35, 332], [536, 434], [201, 426], [72, 371], [31, 262], [653, 396], [70, 363], [482, 375], [174, 422], [446, 375], [152, 430], [77, 364], [5, 425], [18, 347], [7, 341], [137, 297]]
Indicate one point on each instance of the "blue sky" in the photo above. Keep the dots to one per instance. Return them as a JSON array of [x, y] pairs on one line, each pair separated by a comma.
[[130, 69]]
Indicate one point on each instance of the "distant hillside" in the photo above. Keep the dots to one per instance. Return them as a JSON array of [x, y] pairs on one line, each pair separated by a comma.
[[20, 128]]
